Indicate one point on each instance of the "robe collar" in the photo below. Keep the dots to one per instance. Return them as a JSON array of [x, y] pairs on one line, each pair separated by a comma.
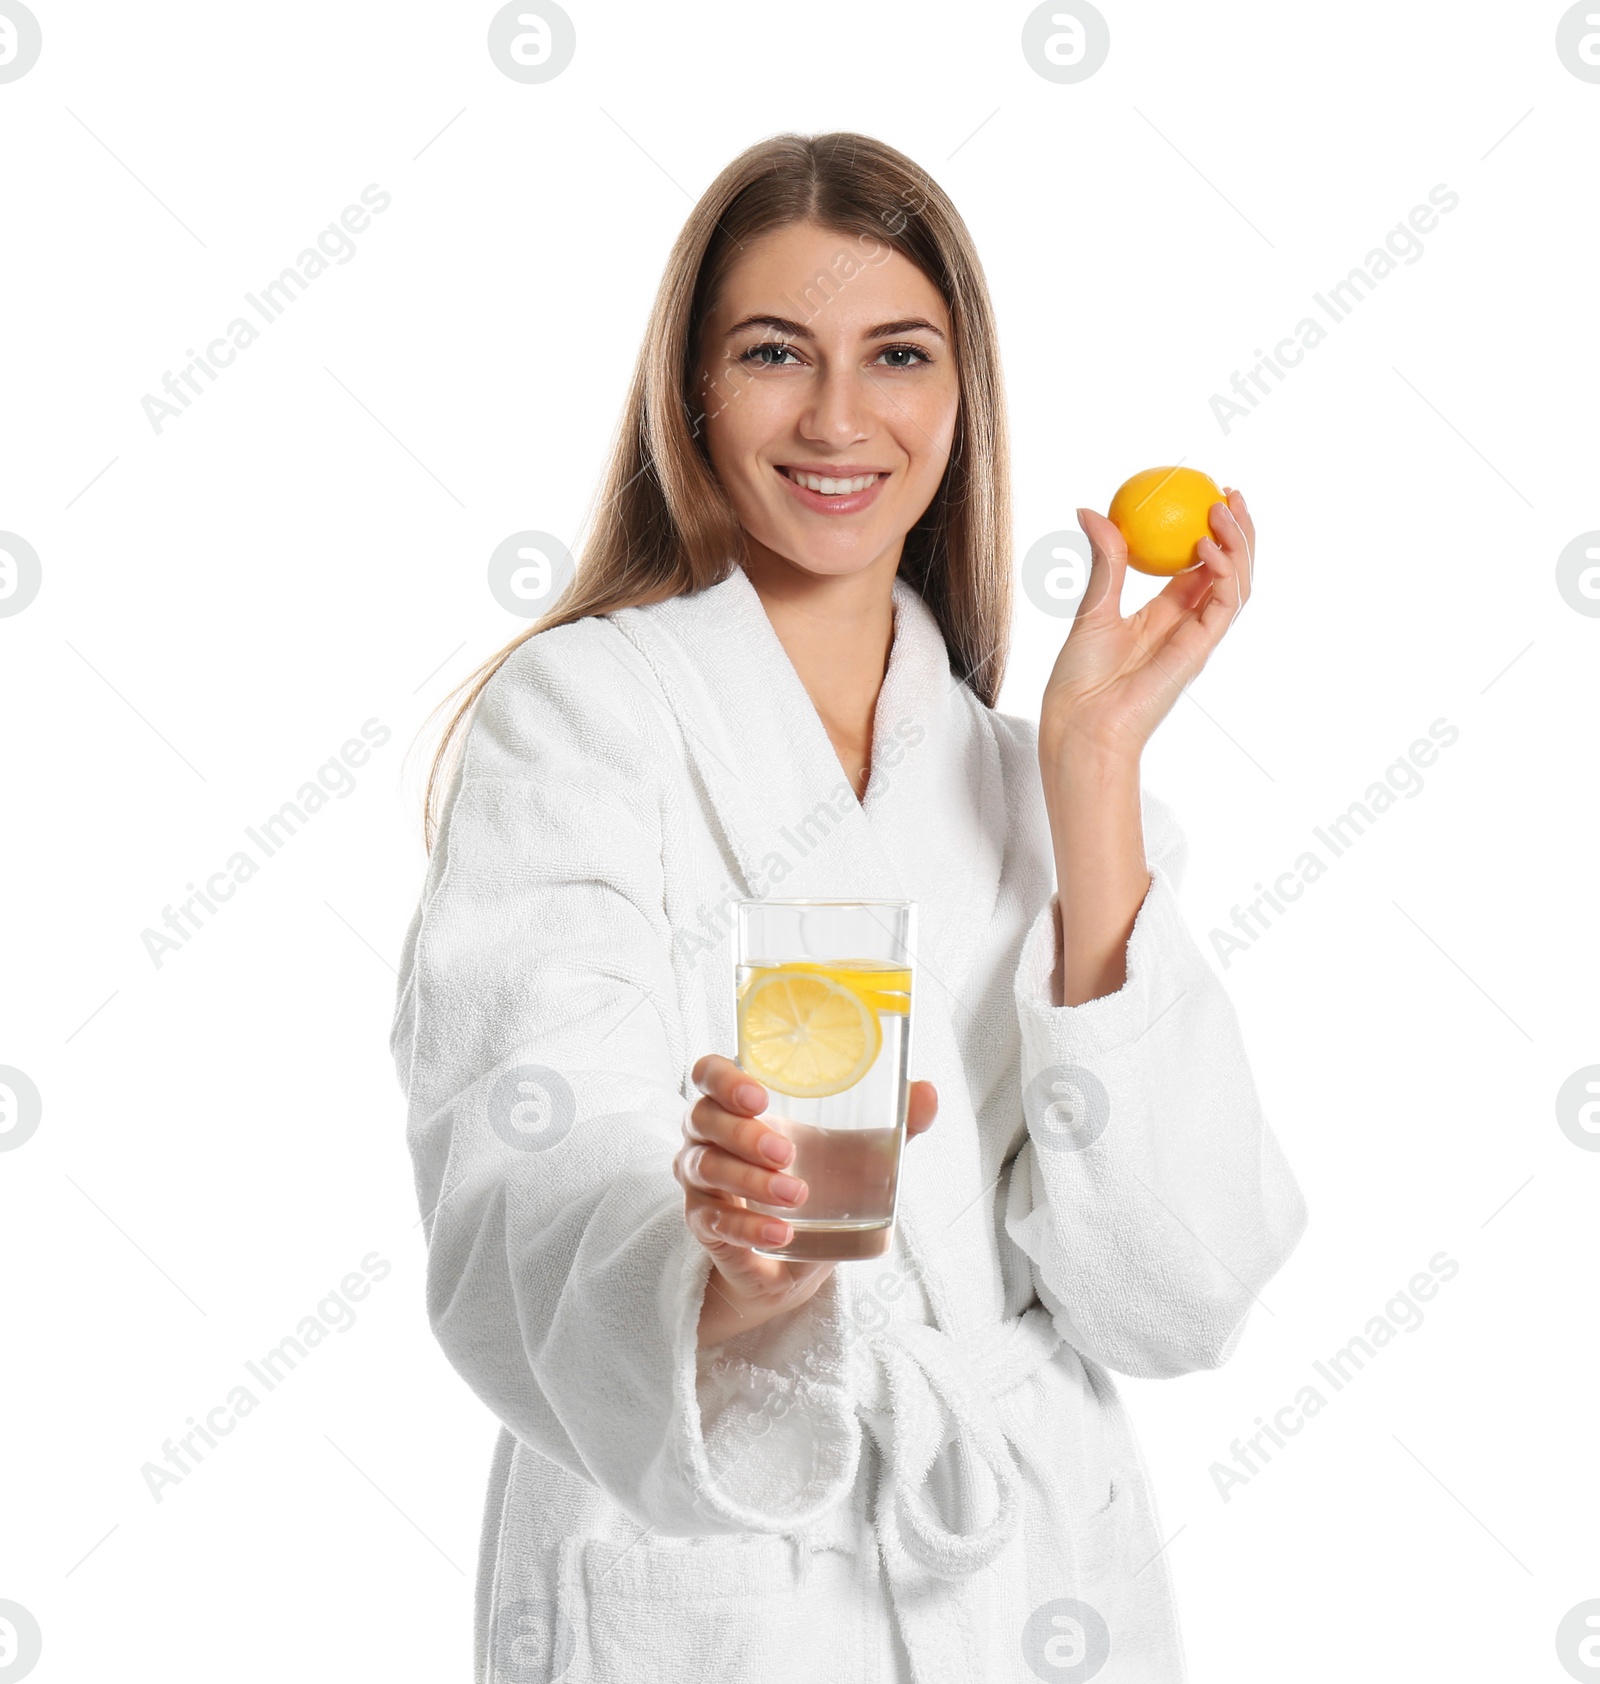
[[932, 826]]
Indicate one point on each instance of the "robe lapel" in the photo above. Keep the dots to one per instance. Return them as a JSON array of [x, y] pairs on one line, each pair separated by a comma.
[[932, 828]]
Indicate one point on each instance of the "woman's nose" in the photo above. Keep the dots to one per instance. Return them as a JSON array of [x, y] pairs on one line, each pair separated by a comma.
[[837, 413]]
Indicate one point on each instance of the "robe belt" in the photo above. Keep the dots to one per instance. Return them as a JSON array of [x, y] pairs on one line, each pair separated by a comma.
[[927, 1382]]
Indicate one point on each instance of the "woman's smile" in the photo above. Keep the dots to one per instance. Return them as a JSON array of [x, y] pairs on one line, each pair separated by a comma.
[[842, 490]]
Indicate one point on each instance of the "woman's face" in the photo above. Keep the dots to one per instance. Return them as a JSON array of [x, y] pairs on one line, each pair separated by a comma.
[[828, 355]]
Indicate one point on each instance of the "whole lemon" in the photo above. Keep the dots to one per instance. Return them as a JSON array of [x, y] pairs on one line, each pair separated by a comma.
[[1162, 515]]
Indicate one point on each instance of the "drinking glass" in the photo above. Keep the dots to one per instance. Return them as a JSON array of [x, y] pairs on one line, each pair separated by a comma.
[[822, 996]]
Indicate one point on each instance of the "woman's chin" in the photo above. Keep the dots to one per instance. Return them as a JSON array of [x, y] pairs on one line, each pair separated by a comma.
[[828, 561]]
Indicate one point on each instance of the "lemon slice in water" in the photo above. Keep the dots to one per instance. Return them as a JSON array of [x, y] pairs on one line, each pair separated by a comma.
[[804, 1033], [886, 987]]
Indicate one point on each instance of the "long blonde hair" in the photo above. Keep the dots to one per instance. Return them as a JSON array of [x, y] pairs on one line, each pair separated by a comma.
[[665, 527]]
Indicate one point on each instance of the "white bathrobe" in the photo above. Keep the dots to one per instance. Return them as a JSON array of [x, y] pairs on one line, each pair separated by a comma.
[[924, 1473]]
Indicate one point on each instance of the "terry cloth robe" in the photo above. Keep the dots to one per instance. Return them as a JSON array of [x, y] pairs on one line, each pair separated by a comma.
[[923, 1475]]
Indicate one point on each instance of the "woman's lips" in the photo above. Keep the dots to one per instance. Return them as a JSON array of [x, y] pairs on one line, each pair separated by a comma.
[[849, 505]]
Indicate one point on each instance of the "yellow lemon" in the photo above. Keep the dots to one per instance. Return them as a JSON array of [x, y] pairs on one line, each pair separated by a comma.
[[1162, 515], [804, 1032], [885, 986]]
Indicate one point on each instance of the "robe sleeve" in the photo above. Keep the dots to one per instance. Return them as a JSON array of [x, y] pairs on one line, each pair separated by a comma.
[[539, 1039], [1151, 1196]]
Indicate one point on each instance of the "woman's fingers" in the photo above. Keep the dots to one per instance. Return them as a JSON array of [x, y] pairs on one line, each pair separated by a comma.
[[1189, 645], [729, 1155], [746, 1137], [725, 1082], [718, 1224], [726, 1115], [1240, 511], [711, 1169], [1108, 566], [1189, 617], [1230, 554], [1235, 533], [1170, 607], [922, 1105]]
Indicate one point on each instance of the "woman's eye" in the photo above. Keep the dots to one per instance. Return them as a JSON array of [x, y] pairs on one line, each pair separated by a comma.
[[754, 354], [904, 350]]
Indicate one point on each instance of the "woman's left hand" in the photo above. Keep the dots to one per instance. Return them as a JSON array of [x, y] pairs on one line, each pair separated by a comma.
[[1115, 678]]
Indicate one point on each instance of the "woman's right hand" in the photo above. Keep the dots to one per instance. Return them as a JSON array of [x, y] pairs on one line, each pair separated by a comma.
[[728, 1156]]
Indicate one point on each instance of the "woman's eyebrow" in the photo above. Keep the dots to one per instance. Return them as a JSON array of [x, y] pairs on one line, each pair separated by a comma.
[[798, 330]]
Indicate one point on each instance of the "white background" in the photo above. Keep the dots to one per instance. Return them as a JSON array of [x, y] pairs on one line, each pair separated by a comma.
[[225, 602]]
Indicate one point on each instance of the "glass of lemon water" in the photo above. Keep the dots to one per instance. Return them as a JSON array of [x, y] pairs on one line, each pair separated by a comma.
[[822, 999]]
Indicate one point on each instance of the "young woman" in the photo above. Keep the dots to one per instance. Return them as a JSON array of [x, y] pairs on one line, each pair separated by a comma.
[[775, 673]]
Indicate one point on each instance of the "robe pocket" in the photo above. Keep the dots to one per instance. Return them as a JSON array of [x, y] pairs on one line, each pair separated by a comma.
[[1100, 1539], [722, 1610]]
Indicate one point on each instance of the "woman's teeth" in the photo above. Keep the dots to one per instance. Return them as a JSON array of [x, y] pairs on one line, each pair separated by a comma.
[[831, 487]]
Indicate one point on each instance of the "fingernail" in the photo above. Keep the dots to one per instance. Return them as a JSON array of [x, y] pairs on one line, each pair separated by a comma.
[[775, 1233], [750, 1096], [787, 1188], [775, 1148]]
